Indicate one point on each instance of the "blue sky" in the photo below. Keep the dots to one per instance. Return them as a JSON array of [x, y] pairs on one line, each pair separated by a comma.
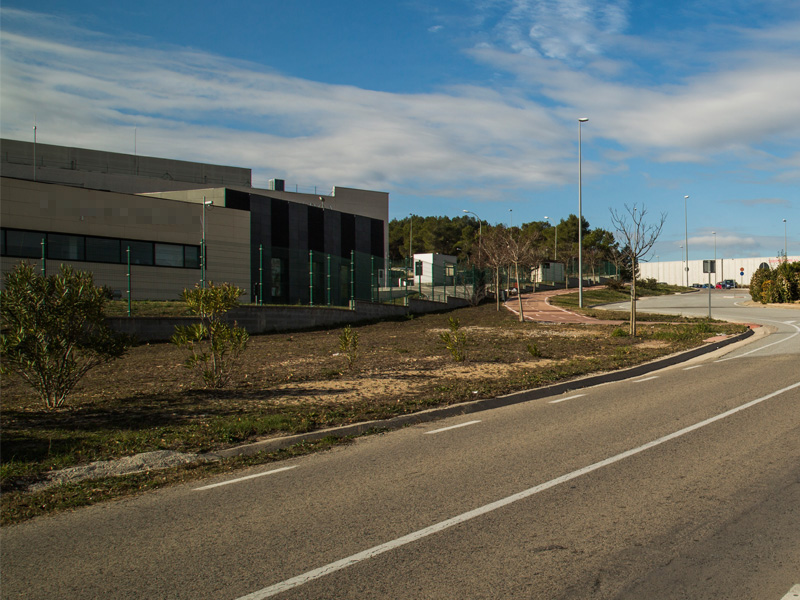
[[448, 105]]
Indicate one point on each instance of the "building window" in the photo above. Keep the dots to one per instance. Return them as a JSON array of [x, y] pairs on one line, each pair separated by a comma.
[[23, 244], [62, 246], [105, 250], [191, 257], [65, 247], [169, 255], [141, 252]]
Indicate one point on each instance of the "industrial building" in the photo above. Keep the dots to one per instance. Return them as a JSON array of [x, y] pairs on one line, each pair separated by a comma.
[[143, 224]]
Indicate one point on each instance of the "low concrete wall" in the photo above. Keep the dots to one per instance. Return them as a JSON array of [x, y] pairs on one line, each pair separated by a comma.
[[273, 319]]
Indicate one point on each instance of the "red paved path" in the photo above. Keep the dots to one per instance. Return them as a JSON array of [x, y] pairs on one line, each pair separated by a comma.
[[535, 307]]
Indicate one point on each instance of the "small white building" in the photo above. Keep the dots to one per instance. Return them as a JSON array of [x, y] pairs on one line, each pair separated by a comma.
[[548, 271], [434, 269]]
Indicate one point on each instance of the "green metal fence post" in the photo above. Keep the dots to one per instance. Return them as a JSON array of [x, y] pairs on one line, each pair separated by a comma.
[[352, 278], [44, 266], [260, 274], [329, 279], [372, 278], [128, 253], [311, 278]]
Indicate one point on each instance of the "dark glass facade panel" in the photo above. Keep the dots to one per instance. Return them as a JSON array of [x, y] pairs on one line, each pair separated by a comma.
[[23, 244], [169, 255], [106, 250], [316, 229], [348, 234], [65, 247], [280, 223], [376, 237]]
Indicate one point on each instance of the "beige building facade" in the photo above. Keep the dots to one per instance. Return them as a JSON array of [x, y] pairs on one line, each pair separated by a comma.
[[97, 211]]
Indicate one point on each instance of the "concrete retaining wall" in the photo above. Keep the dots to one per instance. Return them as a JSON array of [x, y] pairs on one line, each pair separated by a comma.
[[273, 319]]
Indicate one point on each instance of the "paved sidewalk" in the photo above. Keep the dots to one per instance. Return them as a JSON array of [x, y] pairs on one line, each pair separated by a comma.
[[536, 307]]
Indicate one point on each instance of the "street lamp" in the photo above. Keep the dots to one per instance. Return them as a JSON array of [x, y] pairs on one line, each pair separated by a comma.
[[580, 215], [686, 219], [480, 231], [411, 243], [206, 206], [510, 218], [680, 279], [555, 243], [785, 243], [714, 233]]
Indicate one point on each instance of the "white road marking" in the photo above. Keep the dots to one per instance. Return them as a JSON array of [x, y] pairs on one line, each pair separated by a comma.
[[786, 339], [213, 485], [693, 367], [338, 565], [793, 593], [645, 379], [452, 427], [565, 399]]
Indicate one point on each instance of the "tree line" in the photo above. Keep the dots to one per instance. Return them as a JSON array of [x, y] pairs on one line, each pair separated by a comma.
[[470, 240]]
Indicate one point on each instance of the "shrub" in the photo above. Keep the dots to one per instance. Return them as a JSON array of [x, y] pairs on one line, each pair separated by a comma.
[[213, 344], [647, 284], [348, 344], [54, 330], [615, 284], [534, 351], [455, 341]]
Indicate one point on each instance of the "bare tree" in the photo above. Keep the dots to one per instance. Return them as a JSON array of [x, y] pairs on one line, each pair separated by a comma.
[[495, 254], [522, 250], [638, 237]]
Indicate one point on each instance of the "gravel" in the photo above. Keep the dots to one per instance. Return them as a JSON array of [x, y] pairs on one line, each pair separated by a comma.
[[147, 461]]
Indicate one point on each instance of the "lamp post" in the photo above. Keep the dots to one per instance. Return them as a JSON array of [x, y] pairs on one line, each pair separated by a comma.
[[686, 220], [555, 243], [510, 218], [714, 233], [411, 243], [581, 120], [680, 279], [480, 231], [785, 243], [206, 204]]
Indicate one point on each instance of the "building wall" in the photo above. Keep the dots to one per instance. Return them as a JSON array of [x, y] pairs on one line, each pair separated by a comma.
[[48, 208], [673, 272], [112, 171]]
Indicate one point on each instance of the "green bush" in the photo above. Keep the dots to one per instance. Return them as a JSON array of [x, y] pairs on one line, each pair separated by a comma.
[[213, 344], [455, 341], [54, 330], [348, 345], [779, 285]]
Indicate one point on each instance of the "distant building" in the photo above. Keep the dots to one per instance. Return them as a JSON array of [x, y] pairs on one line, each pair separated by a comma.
[[434, 269], [96, 210]]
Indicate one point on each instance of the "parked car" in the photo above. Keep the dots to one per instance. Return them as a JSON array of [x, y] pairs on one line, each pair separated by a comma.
[[728, 284]]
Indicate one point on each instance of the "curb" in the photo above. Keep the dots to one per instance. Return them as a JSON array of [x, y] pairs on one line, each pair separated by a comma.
[[474, 405]]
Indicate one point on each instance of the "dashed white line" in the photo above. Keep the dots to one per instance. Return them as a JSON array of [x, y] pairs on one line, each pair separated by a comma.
[[645, 379], [565, 399], [213, 485], [354, 559], [693, 367], [452, 427]]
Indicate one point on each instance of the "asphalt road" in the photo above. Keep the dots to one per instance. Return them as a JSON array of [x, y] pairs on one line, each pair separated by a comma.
[[684, 483]]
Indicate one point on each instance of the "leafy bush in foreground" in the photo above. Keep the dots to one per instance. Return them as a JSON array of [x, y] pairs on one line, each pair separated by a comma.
[[54, 330]]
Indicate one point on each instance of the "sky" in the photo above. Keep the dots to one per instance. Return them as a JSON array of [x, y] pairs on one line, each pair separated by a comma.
[[447, 105]]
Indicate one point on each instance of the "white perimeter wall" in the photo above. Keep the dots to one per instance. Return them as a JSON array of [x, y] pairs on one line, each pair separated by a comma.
[[727, 268]]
